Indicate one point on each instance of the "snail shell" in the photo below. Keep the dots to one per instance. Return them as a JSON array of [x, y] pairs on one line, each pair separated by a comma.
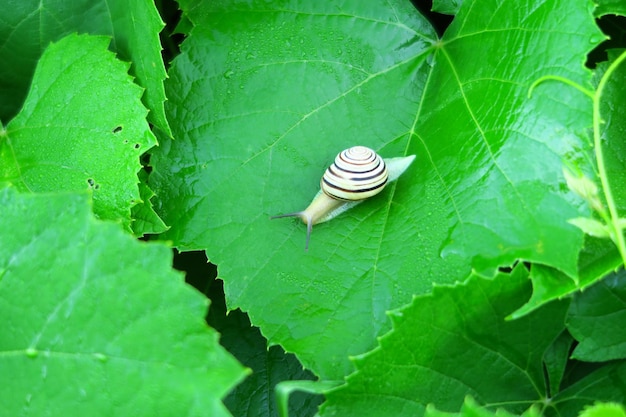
[[357, 173]]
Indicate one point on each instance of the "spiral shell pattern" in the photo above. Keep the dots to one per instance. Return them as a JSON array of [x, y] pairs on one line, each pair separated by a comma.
[[356, 174]]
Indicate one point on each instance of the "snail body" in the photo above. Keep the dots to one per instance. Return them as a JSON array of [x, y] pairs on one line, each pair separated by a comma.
[[357, 174]]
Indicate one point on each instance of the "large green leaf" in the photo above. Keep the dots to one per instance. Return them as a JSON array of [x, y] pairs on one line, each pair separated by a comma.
[[96, 323], [264, 95], [28, 26], [82, 126], [502, 159], [453, 343]]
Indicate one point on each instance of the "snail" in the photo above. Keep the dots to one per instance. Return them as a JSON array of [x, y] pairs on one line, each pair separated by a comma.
[[357, 173]]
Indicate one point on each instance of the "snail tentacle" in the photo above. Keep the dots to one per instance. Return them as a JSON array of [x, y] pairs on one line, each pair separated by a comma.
[[306, 218], [320, 205]]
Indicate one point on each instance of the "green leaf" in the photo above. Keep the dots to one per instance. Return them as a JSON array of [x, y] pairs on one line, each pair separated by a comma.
[[271, 366], [613, 117], [446, 6], [596, 319], [145, 220], [96, 323], [286, 388], [263, 262], [453, 343], [605, 7], [135, 27], [82, 127], [548, 284], [556, 359], [592, 227], [604, 410], [472, 409], [506, 163], [27, 27], [263, 97], [598, 258], [585, 188], [605, 383]]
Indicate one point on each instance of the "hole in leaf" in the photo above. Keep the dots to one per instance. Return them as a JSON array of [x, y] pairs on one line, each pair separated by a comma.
[[96, 187], [612, 26], [137, 146], [90, 181], [117, 129]]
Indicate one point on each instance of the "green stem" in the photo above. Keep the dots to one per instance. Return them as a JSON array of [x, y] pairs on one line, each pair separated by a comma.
[[618, 235], [564, 80]]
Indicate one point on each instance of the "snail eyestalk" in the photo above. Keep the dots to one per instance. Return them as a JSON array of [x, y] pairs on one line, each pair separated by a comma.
[[305, 218], [320, 205]]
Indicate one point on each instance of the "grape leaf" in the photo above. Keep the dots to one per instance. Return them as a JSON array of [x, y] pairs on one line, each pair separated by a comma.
[[453, 343], [472, 409], [556, 359], [145, 220], [605, 7], [604, 410], [135, 27], [27, 27], [82, 126], [96, 323], [446, 6], [349, 308], [606, 383], [591, 227], [262, 98], [270, 366], [548, 284], [598, 258], [614, 126], [256, 395], [596, 319], [507, 201]]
